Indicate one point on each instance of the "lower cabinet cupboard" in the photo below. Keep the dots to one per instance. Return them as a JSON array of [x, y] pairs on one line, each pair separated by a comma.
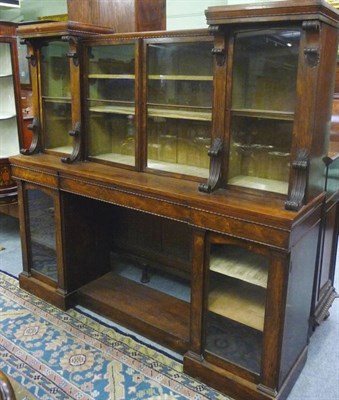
[[227, 284], [254, 322]]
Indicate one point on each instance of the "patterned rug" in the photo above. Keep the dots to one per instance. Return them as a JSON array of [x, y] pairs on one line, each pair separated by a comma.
[[69, 355]]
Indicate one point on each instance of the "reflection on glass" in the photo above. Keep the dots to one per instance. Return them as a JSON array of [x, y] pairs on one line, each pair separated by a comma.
[[55, 72], [56, 97], [265, 70], [111, 104], [42, 233], [179, 108], [263, 102], [9, 140], [23, 64], [58, 122], [236, 305]]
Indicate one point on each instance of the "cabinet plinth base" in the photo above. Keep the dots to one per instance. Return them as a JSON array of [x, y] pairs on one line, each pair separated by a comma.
[[156, 315], [46, 292], [322, 310], [235, 386]]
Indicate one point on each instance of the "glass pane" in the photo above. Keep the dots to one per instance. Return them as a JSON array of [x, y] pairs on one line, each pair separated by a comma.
[[111, 103], [58, 122], [55, 72], [42, 233], [56, 97], [9, 139], [180, 88], [25, 78], [263, 102], [265, 70], [260, 153], [236, 305]]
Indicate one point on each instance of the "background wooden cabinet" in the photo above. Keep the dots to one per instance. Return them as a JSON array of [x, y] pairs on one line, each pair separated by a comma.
[[10, 112]]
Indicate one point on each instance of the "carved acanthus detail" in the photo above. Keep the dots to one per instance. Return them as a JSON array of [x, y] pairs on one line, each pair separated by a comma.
[[76, 134], [35, 144], [215, 153], [298, 192]]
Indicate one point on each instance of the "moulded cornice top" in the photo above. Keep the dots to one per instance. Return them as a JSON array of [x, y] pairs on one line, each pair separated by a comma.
[[44, 29], [273, 11]]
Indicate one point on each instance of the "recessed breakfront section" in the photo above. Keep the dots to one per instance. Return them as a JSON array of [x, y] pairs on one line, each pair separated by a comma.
[[149, 102]]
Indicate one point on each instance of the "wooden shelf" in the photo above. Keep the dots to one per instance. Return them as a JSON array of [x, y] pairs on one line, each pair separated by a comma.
[[158, 165], [238, 301], [61, 100], [155, 112], [109, 109], [141, 308], [181, 77], [111, 76], [267, 114], [180, 114], [7, 115], [254, 182], [154, 77], [115, 157], [61, 149], [178, 168], [239, 263]]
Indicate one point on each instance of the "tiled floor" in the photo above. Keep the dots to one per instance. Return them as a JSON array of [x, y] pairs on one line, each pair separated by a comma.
[[319, 379]]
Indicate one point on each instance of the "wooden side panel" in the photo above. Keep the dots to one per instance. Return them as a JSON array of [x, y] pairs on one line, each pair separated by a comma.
[[298, 301], [121, 15], [86, 239]]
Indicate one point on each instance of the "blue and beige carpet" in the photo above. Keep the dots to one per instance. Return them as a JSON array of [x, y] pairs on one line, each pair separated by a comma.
[[51, 354]]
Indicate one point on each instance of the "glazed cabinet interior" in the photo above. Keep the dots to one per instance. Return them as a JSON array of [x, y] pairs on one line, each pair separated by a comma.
[[147, 108], [9, 109], [53, 55], [263, 100], [178, 183]]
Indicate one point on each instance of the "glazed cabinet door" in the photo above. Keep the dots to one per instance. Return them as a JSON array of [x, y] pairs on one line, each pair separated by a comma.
[[41, 236], [235, 304], [240, 323], [178, 114], [243, 292], [111, 81], [56, 101], [264, 83]]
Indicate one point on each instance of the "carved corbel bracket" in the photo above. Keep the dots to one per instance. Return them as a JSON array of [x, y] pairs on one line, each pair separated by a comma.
[[312, 48], [220, 55], [298, 192], [215, 154], [35, 128], [73, 40], [31, 57], [312, 55], [76, 134], [219, 49]]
